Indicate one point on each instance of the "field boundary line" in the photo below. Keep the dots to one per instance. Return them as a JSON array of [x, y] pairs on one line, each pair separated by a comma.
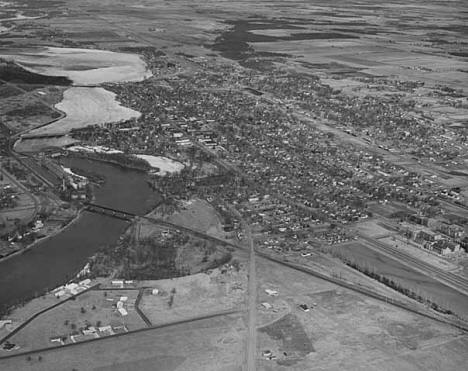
[[34, 316], [144, 329]]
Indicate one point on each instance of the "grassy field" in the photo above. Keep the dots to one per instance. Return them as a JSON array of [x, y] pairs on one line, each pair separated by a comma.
[[196, 295], [427, 287], [214, 344], [348, 331], [196, 214], [94, 308]]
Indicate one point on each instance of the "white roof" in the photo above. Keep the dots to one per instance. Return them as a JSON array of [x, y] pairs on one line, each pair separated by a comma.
[[60, 293]]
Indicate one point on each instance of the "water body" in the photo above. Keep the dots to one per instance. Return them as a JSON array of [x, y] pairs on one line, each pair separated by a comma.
[[54, 261], [426, 286]]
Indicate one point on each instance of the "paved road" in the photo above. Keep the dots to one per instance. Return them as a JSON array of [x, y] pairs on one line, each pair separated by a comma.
[[252, 328]]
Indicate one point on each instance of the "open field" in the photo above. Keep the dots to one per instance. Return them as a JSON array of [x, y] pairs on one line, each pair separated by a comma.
[[214, 344], [42, 144], [85, 107], [221, 289], [427, 287], [25, 207], [195, 214], [93, 308], [164, 164], [25, 111], [346, 331], [420, 253]]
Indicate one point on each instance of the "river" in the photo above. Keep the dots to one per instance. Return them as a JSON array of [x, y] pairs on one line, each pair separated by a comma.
[[55, 260]]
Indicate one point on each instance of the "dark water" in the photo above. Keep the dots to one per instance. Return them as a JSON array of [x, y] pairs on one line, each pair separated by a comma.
[[54, 261]]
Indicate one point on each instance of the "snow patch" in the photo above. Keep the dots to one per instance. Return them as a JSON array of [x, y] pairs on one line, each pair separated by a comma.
[[164, 164]]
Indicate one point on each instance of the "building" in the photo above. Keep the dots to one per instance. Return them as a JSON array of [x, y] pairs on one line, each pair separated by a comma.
[[451, 230], [445, 247]]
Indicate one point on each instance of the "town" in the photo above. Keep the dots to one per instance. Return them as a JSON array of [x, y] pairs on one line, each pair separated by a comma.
[[248, 189]]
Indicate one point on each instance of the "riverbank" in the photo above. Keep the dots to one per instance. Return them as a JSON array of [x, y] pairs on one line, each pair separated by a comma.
[[89, 156], [56, 259], [42, 239]]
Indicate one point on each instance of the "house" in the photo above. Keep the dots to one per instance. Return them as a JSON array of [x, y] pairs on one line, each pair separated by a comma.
[[85, 282], [5, 322], [123, 311], [118, 283]]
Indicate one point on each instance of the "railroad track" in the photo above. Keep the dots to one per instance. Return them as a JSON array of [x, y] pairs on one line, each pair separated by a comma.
[[450, 279]]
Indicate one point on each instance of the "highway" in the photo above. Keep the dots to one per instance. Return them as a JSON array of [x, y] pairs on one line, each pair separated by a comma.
[[452, 280], [252, 321]]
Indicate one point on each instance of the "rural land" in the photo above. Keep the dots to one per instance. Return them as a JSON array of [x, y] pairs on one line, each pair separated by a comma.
[[243, 185]]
